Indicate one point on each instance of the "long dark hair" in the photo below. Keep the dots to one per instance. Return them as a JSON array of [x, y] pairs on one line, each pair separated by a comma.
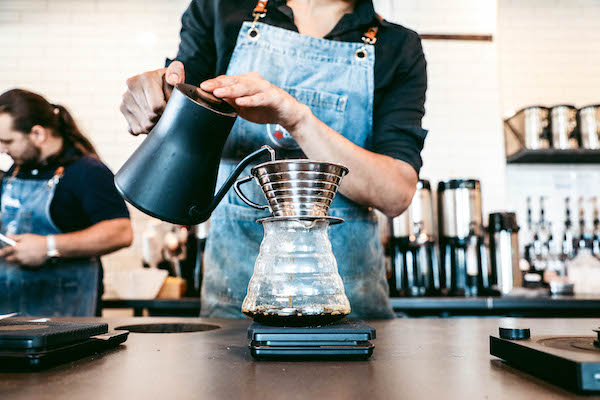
[[29, 109]]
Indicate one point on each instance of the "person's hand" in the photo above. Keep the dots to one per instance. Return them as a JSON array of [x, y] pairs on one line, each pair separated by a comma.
[[147, 95], [30, 250], [257, 100]]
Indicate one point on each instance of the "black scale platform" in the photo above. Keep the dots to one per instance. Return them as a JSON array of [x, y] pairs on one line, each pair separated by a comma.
[[345, 339], [33, 345], [572, 362]]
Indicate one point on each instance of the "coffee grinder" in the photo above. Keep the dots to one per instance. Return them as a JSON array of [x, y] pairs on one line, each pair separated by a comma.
[[464, 266], [415, 268]]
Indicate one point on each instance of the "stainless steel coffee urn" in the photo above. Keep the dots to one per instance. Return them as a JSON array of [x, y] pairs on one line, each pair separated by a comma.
[[415, 270], [464, 267], [504, 252], [589, 126]]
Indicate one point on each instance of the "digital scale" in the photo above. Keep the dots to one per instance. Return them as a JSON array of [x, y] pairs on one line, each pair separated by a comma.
[[347, 339], [35, 345], [572, 362]]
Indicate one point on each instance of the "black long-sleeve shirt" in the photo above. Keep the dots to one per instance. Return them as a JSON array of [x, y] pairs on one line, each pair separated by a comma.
[[208, 36]]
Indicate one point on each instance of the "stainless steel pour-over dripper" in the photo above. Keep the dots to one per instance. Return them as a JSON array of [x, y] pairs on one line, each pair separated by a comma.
[[295, 187]]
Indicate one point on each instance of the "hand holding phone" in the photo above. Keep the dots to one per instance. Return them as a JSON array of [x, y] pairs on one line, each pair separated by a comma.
[[6, 241]]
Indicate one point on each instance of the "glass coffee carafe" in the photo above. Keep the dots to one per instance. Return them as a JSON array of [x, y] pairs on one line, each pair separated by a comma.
[[296, 280]]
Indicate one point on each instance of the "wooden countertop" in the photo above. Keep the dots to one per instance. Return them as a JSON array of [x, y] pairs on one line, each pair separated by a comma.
[[413, 358]]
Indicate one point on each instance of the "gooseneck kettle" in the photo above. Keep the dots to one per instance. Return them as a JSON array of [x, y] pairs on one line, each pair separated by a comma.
[[172, 175]]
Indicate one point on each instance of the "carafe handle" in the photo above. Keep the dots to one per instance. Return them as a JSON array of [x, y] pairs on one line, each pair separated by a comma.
[[238, 191]]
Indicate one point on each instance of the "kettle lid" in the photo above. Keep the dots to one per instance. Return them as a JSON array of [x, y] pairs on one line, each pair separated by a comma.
[[206, 99]]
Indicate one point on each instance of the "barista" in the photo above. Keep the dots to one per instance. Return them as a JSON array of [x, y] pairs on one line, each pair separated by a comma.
[[59, 204], [328, 80]]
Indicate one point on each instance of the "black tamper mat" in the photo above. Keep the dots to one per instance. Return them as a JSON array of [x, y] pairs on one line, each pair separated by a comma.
[[15, 334]]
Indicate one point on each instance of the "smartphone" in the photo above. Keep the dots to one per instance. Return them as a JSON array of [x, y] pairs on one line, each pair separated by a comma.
[[6, 241]]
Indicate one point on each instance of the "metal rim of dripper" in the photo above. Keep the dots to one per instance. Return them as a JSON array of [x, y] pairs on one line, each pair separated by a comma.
[[344, 170], [332, 220]]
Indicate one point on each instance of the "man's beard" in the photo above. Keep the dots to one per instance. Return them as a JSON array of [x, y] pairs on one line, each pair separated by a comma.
[[31, 156]]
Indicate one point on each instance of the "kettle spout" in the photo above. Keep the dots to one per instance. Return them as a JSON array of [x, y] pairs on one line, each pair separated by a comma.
[[200, 215]]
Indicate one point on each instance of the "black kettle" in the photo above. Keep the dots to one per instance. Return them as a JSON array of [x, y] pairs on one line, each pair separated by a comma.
[[172, 175]]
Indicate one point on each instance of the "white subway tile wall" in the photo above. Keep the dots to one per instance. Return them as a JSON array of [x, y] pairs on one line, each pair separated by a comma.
[[462, 107], [549, 53], [79, 54]]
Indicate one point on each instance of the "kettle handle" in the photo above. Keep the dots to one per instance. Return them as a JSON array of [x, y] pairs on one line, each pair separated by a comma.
[[202, 215], [238, 191]]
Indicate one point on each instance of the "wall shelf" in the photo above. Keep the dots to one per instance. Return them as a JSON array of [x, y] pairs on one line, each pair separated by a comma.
[[552, 156]]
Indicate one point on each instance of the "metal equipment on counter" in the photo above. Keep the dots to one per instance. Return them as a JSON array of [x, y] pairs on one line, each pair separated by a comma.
[[504, 252], [415, 267], [464, 267]]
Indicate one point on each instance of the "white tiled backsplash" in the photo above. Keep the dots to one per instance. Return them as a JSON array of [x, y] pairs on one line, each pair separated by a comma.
[[80, 52], [549, 53]]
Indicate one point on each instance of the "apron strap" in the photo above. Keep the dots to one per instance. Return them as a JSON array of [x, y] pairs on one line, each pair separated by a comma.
[[58, 174], [60, 171], [261, 7], [370, 36]]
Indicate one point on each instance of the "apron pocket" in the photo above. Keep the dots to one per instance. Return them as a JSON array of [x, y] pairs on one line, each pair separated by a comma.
[[327, 107]]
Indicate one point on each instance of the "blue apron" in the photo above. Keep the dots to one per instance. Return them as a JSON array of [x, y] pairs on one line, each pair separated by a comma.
[[338, 87], [68, 287]]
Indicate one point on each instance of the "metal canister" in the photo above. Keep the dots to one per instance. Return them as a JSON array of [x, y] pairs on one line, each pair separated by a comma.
[[535, 124], [528, 128], [589, 126], [416, 223], [504, 252], [564, 124], [459, 208]]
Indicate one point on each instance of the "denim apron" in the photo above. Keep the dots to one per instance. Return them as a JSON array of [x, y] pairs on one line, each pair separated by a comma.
[[338, 86], [68, 287]]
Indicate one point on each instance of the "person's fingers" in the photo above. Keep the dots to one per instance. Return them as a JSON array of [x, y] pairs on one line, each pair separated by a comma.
[[175, 73], [237, 90], [144, 119], [11, 259], [6, 251], [219, 81], [257, 100], [155, 97], [145, 99], [167, 89], [134, 126], [135, 86]]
